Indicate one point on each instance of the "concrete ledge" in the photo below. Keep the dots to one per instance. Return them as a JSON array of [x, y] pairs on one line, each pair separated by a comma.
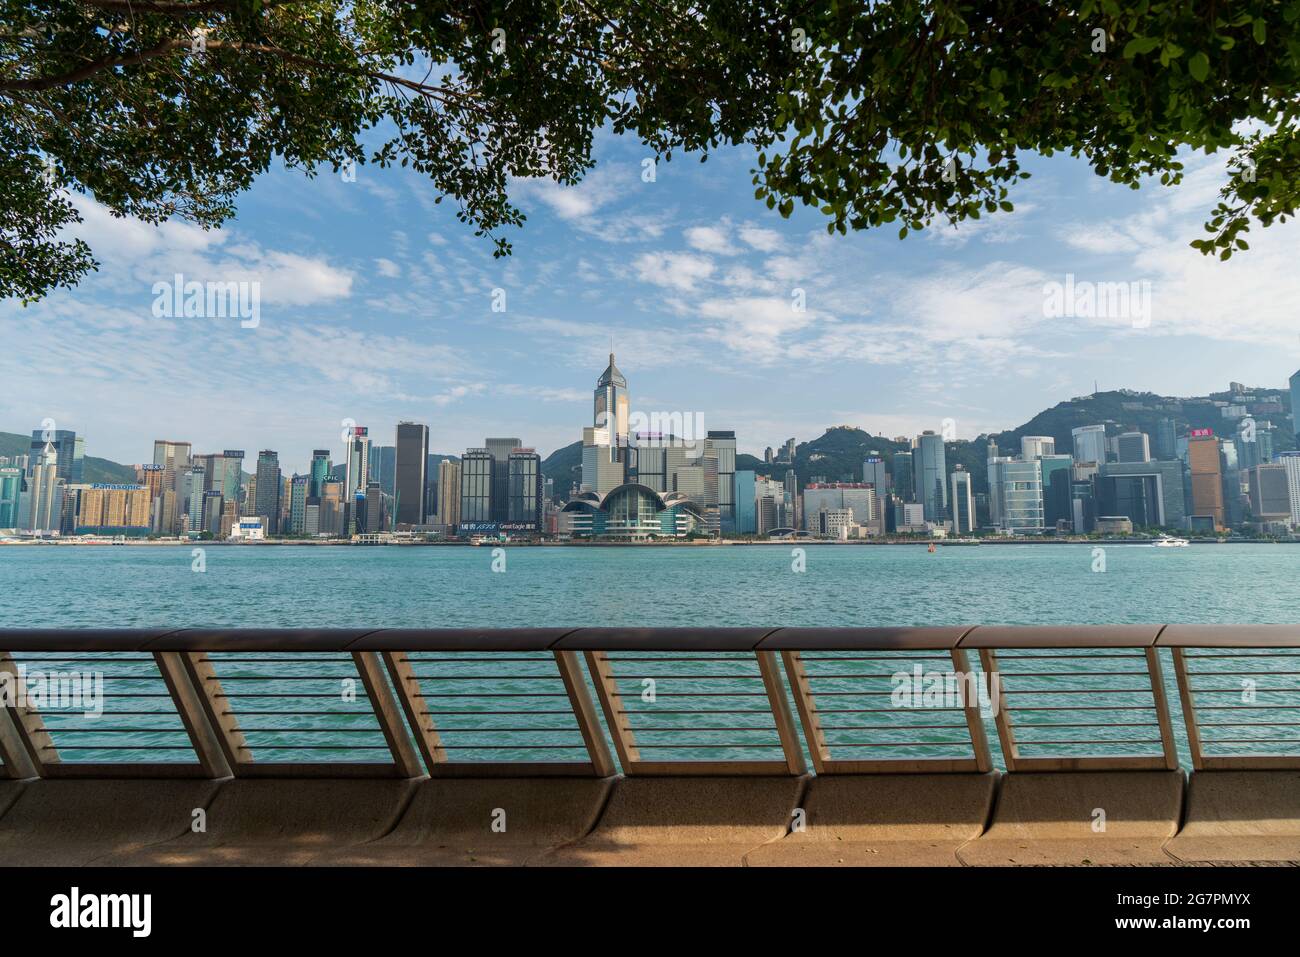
[[687, 821], [1240, 816], [891, 820], [9, 792], [1048, 819], [451, 822], [285, 821], [71, 823]]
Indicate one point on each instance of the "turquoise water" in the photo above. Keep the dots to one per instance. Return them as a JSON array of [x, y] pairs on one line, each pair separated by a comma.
[[714, 708], [706, 586]]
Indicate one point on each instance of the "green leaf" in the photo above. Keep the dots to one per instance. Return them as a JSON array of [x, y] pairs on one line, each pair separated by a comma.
[[1199, 67]]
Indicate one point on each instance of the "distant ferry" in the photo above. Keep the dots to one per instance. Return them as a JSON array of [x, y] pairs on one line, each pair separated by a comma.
[[959, 541], [1167, 541]]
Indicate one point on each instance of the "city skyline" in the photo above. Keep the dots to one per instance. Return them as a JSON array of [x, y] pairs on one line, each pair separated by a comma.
[[647, 477], [378, 307], [289, 458]]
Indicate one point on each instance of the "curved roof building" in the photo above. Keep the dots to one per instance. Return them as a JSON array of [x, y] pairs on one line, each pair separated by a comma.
[[633, 511]]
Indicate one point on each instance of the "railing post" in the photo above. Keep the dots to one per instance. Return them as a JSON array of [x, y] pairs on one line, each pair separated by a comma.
[[1006, 736], [388, 714], [974, 721], [781, 711], [807, 707], [221, 717], [620, 728], [414, 707], [1162, 709], [188, 700], [27, 745], [1189, 708], [13, 752], [584, 710]]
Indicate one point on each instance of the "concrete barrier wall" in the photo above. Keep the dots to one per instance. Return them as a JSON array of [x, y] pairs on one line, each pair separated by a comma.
[[897, 820]]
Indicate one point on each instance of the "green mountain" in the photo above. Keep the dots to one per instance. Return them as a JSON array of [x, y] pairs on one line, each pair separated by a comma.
[[564, 468], [1125, 410], [838, 454], [95, 469]]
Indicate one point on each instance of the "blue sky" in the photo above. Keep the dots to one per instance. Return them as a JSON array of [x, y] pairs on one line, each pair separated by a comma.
[[376, 305]]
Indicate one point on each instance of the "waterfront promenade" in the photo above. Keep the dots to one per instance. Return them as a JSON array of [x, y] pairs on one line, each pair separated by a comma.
[[929, 746]]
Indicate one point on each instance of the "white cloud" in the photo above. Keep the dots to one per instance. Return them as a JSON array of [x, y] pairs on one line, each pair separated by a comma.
[[764, 240], [597, 189], [711, 239], [387, 268], [681, 271]]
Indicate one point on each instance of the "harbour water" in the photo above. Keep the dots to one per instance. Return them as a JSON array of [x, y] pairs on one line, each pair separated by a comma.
[[293, 709], [707, 586]]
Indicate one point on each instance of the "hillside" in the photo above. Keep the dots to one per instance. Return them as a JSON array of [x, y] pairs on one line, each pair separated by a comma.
[[564, 468], [838, 454]]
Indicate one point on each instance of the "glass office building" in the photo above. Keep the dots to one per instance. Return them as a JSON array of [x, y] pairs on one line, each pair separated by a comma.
[[476, 472], [525, 488]]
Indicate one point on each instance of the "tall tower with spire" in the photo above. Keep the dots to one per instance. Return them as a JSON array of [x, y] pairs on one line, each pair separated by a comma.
[[611, 404]]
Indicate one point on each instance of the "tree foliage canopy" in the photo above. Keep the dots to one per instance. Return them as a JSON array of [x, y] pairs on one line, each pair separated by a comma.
[[898, 112]]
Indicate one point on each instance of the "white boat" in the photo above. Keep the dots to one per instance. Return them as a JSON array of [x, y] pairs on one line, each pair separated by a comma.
[[1167, 541]]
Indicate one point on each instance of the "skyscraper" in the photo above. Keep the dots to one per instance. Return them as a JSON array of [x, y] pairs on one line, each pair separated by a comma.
[[356, 475], [963, 502], [42, 503], [721, 448], [873, 473], [449, 494], [383, 468], [1089, 443], [931, 473], [11, 490], [603, 471], [69, 452], [190, 486], [1295, 399], [267, 504], [319, 473], [525, 488], [1207, 475], [175, 458], [1055, 471], [1016, 495], [229, 477], [904, 480], [500, 450], [1034, 446], [356, 461], [1270, 494], [1147, 493], [299, 486], [1291, 462], [610, 405], [1133, 447], [476, 468], [412, 459], [745, 494], [1166, 441]]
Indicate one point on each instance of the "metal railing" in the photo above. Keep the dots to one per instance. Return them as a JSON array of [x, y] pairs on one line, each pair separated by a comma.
[[404, 703]]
